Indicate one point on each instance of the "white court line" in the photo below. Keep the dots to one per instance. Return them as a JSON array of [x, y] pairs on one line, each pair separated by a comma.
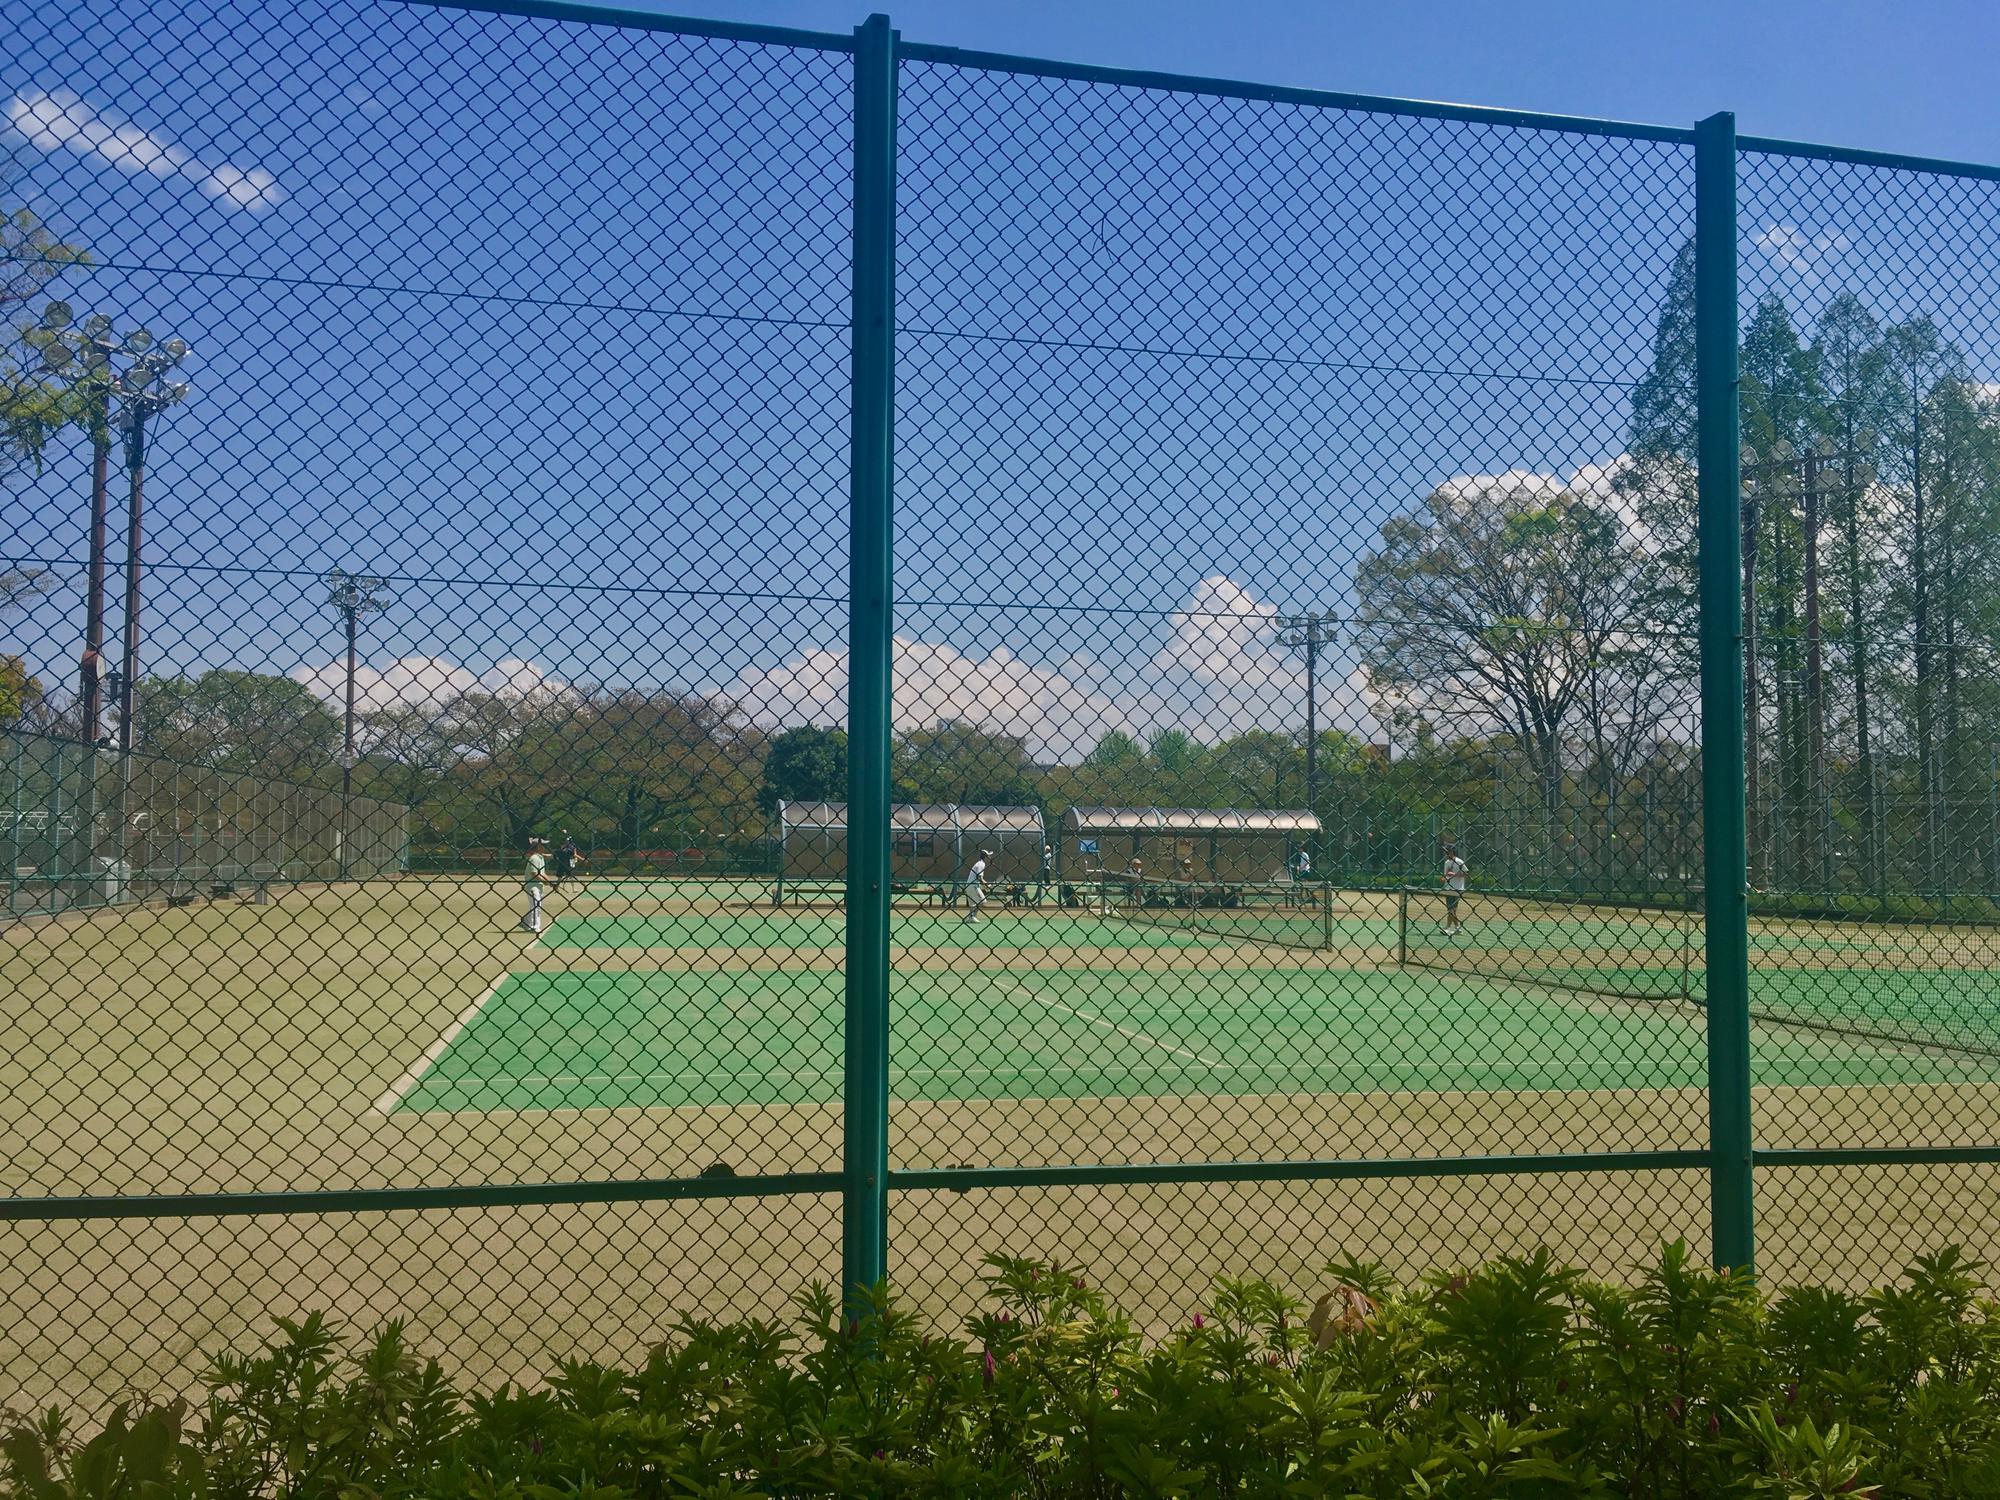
[[1137, 1036], [408, 1081]]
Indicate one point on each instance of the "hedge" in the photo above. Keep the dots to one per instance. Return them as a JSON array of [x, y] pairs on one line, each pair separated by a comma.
[[1521, 1378]]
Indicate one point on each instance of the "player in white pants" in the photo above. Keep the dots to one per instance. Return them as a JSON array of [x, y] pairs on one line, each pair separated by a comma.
[[1454, 888], [538, 865], [975, 886]]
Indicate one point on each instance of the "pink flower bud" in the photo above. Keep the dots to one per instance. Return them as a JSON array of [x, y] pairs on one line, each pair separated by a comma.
[[987, 1367]]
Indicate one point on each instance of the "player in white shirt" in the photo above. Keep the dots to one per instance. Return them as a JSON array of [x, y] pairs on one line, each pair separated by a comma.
[[538, 866], [1454, 887], [975, 886]]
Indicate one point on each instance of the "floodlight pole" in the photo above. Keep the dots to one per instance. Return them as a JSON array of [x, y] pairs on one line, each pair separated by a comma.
[[347, 750], [135, 511], [1308, 632], [90, 727], [354, 596]]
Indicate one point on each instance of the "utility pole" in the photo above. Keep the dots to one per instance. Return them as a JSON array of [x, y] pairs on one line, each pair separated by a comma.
[[353, 595]]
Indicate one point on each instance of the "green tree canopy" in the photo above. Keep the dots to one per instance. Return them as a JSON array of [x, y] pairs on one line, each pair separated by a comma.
[[1506, 605], [960, 763], [239, 721], [35, 401], [806, 764]]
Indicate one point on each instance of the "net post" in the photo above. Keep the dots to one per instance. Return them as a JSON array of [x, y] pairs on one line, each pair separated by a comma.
[[865, 1122], [1326, 915], [1403, 928], [1726, 852]]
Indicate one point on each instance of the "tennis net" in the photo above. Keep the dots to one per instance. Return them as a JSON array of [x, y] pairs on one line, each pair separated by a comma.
[[1630, 952], [1934, 984], [1289, 914]]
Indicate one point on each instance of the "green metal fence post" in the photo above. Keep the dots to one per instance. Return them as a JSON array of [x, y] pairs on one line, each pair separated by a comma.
[[14, 832], [865, 1144], [1722, 726]]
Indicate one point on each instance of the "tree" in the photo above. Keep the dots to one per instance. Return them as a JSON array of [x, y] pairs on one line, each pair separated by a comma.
[[19, 585], [959, 763], [1173, 751], [1659, 480], [1783, 414], [1113, 747], [264, 726], [1920, 365], [519, 759], [806, 764], [21, 694], [409, 752], [658, 763], [22, 699], [1259, 768], [1851, 362], [1510, 605], [35, 401]]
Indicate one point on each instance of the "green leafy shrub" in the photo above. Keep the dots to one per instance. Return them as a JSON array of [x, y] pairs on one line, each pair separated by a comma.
[[1521, 1378]]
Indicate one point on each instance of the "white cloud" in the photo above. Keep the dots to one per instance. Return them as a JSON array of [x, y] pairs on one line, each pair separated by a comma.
[[1794, 248], [427, 682], [1060, 716], [62, 120], [1599, 483], [1220, 669]]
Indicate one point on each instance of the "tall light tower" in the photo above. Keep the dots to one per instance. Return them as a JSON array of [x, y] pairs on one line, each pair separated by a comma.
[[353, 595], [143, 391], [89, 353], [1308, 633]]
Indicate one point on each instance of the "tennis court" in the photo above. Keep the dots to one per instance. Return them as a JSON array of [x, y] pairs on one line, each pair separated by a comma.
[[742, 1006], [409, 1033]]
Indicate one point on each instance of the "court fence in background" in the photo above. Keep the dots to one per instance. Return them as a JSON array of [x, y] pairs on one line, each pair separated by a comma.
[[89, 827]]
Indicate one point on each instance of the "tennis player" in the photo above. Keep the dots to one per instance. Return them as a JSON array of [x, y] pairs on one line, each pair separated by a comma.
[[1454, 887], [538, 868], [567, 859], [975, 887]]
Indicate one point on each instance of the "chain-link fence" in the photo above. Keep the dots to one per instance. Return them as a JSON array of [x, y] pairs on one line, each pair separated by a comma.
[[91, 827], [646, 662]]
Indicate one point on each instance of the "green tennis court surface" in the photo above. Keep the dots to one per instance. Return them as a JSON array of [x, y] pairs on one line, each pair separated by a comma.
[[596, 920], [589, 1040]]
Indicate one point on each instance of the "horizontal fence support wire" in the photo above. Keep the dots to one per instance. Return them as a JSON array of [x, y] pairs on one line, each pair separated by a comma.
[[416, 1199], [1140, 1174]]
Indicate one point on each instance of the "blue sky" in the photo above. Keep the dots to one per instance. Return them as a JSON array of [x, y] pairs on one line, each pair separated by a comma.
[[1915, 78], [547, 325]]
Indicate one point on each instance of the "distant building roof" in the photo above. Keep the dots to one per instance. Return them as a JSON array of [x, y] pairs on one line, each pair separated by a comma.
[[1188, 820], [908, 816]]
